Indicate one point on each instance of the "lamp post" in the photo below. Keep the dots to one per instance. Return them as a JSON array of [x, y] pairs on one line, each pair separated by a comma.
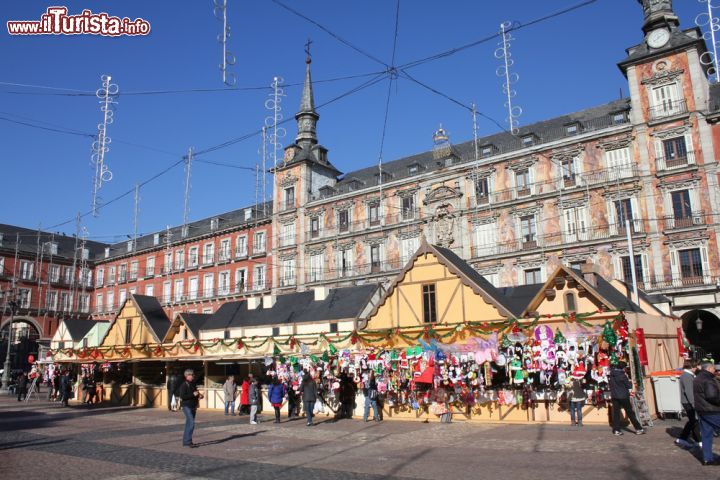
[[11, 297]]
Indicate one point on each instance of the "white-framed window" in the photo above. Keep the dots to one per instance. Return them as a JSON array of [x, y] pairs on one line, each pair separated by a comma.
[[623, 269], [132, 290], [621, 210], [259, 242], [84, 303], [343, 220], [122, 295], [676, 152], [150, 290], [208, 285], [156, 239], [99, 302], [524, 178], [485, 237], [69, 274], [376, 257], [407, 207], [408, 247], [224, 282], [52, 248], [533, 275], [374, 214], [193, 283], [682, 207], [287, 272], [287, 234], [51, 300], [345, 262], [167, 262], [690, 266], [193, 257], [134, 265], [54, 273], [482, 188], [528, 231], [493, 278], [618, 163], [214, 223], [224, 251], [65, 302], [208, 253], [315, 227], [575, 224], [241, 246], [207, 310], [179, 289], [111, 274], [27, 269], [122, 272], [86, 276], [179, 259], [667, 100], [167, 292], [259, 277], [317, 262], [289, 198], [110, 300], [241, 280], [150, 267], [570, 171], [100, 277], [25, 297]]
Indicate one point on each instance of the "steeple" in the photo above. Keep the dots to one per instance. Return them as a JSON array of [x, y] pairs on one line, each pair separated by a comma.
[[658, 13], [307, 117]]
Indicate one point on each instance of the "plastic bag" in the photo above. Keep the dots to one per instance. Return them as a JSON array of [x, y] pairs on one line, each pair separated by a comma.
[[319, 407]]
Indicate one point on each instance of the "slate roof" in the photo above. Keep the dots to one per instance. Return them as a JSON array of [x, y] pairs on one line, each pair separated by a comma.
[[678, 39], [594, 118], [195, 321], [298, 307], [714, 101], [78, 328], [618, 299], [196, 229], [519, 297], [29, 242], [154, 314]]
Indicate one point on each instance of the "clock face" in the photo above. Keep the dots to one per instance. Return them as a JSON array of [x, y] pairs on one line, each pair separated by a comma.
[[658, 38]]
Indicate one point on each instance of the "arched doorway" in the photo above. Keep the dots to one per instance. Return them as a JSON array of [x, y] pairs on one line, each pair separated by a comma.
[[702, 329], [23, 342]]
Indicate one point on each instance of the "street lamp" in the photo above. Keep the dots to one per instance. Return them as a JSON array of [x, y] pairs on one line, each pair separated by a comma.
[[11, 297], [699, 324]]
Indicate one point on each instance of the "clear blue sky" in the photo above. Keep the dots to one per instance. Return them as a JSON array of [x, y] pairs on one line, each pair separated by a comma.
[[564, 64]]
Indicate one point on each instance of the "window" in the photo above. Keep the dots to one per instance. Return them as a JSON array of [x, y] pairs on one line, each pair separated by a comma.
[[623, 213], [224, 283], [128, 331], [85, 254], [51, 301], [666, 101], [54, 273], [69, 274], [528, 231], [167, 263], [208, 253], [408, 207], [193, 288], [522, 182], [691, 264], [345, 262], [532, 276], [259, 242], [193, 257], [413, 169], [333, 327], [287, 234], [122, 296], [25, 297], [568, 171], [314, 227], [240, 280], [487, 151], [429, 307], [343, 220], [179, 290], [675, 152], [682, 211], [208, 285], [482, 191], [150, 290], [26, 270], [572, 129], [2, 265], [375, 258], [485, 238], [627, 270], [287, 272], [276, 331], [259, 277], [247, 214], [575, 227], [156, 239], [134, 270], [84, 303], [224, 254], [65, 302], [130, 245], [577, 264], [374, 214], [100, 278], [619, 118], [316, 267], [179, 259], [51, 248], [150, 267], [86, 276], [111, 300], [241, 246], [528, 141], [289, 197], [132, 290], [570, 303], [618, 163], [184, 231], [408, 247], [167, 292], [99, 302], [207, 310], [214, 223]]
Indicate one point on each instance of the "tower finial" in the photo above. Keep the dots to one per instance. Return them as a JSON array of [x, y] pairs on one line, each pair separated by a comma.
[[308, 58], [307, 117]]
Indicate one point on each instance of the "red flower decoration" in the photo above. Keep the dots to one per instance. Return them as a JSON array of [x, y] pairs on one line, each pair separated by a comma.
[[292, 342], [196, 347], [354, 338], [240, 344]]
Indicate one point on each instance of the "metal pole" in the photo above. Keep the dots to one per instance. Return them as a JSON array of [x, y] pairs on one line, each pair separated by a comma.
[[6, 366], [632, 262]]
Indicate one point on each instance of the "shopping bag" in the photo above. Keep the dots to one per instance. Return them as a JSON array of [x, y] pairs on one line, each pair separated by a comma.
[[319, 408]]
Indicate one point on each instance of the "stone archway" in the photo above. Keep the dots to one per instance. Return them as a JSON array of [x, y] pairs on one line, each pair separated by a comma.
[[707, 337], [25, 335]]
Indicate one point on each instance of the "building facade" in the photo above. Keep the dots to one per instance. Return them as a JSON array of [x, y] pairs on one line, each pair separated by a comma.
[[568, 190], [192, 268]]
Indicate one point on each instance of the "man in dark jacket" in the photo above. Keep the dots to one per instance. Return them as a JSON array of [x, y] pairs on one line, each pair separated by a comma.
[[688, 402], [707, 406], [172, 385], [308, 390], [620, 392], [21, 386], [65, 388], [189, 400]]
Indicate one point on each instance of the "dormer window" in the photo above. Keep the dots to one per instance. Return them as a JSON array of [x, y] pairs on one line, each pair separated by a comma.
[[214, 223], [107, 252], [185, 231], [326, 191], [247, 214], [52, 248], [386, 177], [156, 239], [572, 129], [130, 245], [487, 150], [528, 140], [354, 185], [619, 118], [413, 169]]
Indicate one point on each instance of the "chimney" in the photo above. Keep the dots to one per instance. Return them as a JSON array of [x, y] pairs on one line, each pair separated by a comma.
[[268, 301], [590, 273], [321, 293], [253, 303]]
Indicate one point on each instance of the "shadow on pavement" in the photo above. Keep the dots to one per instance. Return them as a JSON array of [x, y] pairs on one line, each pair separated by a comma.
[[231, 437]]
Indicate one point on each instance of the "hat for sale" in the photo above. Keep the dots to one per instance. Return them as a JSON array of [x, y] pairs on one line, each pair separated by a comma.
[[579, 371]]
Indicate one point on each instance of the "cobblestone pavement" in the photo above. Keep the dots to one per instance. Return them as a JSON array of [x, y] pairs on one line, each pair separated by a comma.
[[42, 440]]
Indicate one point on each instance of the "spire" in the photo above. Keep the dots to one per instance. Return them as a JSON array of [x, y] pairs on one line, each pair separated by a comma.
[[658, 13], [307, 117]]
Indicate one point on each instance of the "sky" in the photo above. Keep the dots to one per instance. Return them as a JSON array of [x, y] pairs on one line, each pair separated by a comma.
[[564, 64]]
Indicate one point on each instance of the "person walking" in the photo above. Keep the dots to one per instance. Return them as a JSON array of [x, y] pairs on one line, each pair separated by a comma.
[[687, 400], [276, 394], [371, 394], [577, 395], [292, 396], [620, 393], [309, 393], [347, 396], [21, 388], [230, 390], [254, 398], [90, 389], [190, 399], [706, 394], [65, 388], [245, 396]]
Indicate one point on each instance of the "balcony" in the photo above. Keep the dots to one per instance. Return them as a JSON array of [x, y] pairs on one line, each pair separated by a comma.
[[122, 277], [224, 255], [149, 272], [288, 204], [260, 250], [668, 109], [241, 252], [133, 275], [679, 161], [286, 240], [689, 220], [208, 259], [681, 281]]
